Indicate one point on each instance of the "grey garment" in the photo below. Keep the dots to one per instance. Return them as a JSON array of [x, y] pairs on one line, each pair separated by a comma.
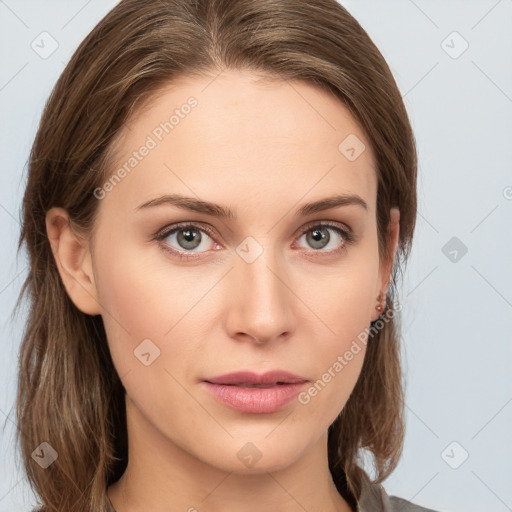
[[401, 505], [375, 499]]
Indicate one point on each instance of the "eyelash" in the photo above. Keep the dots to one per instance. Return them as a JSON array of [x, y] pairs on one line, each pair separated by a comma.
[[348, 236]]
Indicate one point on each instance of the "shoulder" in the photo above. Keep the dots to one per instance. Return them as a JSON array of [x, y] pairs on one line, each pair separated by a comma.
[[374, 498]]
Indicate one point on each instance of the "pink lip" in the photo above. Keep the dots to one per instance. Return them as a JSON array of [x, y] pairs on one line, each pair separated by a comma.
[[228, 389]]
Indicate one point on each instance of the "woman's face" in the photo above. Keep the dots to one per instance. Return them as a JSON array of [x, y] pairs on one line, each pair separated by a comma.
[[266, 289]]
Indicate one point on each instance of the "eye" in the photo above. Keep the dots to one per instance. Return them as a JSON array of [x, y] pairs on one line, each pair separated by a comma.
[[318, 236], [189, 237]]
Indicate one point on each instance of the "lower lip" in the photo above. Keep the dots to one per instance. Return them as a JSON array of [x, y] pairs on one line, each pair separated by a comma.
[[255, 400]]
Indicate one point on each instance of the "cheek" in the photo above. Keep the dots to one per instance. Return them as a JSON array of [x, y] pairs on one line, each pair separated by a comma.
[[143, 297], [344, 310], [131, 299], [344, 301]]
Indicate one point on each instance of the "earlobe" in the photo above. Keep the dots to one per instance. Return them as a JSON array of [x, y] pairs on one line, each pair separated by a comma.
[[73, 260]]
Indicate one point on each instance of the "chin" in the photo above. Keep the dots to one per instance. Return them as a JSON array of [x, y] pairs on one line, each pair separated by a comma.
[[258, 456]]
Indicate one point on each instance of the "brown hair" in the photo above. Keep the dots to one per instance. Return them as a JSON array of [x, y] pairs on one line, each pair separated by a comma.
[[69, 393]]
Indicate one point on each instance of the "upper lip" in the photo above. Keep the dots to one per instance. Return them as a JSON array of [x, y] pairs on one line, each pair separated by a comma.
[[246, 377]]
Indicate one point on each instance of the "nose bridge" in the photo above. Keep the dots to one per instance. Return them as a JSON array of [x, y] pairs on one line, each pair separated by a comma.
[[262, 277], [262, 305]]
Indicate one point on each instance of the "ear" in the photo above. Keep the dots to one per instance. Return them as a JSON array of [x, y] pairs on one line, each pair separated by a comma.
[[73, 259], [387, 266]]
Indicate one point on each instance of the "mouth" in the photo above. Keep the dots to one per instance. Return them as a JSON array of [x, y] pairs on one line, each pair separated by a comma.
[[251, 393]]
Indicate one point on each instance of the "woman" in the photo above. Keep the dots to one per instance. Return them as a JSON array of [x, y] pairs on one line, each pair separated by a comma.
[[220, 195]]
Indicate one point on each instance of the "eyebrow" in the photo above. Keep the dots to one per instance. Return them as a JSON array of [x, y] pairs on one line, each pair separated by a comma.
[[216, 210]]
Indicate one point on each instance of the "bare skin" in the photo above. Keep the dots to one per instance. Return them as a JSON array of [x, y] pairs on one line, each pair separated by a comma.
[[263, 150]]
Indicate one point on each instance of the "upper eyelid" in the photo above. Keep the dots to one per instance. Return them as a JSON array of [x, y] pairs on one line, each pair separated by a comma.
[[327, 223]]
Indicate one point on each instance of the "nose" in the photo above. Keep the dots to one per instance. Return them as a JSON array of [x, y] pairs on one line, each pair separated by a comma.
[[262, 305]]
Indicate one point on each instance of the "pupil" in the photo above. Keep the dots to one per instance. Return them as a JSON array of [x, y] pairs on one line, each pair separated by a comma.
[[318, 236], [189, 238]]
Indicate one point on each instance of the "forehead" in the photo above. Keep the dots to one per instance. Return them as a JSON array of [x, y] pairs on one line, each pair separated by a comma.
[[246, 135]]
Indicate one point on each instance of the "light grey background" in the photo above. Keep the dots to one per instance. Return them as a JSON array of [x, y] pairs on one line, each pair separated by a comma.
[[457, 314]]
